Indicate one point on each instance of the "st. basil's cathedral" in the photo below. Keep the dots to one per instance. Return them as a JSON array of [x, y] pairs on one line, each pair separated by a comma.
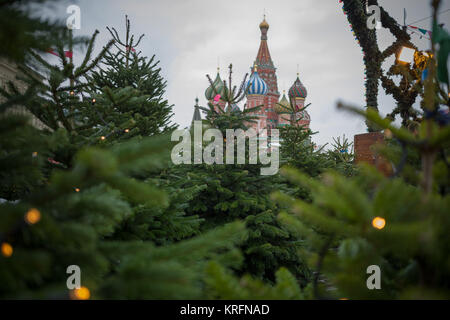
[[262, 90]]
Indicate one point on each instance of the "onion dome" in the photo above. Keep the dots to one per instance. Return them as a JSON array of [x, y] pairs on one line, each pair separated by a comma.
[[256, 85], [235, 107], [283, 106], [264, 24], [297, 90], [264, 27], [218, 85]]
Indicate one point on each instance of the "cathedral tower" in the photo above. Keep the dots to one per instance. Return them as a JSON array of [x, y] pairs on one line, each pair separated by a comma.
[[297, 95], [267, 72]]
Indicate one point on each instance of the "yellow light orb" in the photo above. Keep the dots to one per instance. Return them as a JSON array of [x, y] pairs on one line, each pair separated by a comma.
[[378, 223], [7, 249], [93, 100], [127, 130], [82, 293], [33, 216], [72, 93], [77, 189], [103, 137]]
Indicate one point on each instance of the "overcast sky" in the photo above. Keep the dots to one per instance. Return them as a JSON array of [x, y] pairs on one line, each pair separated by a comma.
[[189, 37]]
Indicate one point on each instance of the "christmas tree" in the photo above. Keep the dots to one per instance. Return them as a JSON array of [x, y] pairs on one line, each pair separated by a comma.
[[60, 215], [129, 88], [239, 191], [18, 21], [92, 188]]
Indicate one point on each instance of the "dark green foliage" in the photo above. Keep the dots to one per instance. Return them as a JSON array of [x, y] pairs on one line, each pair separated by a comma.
[[77, 228], [233, 192], [342, 156], [57, 102], [299, 151], [129, 89], [170, 272], [54, 97], [222, 285], [163, 225], [240, 192], [21, 157], [411, 249], [141, 228], [22, 30], [85, 200]]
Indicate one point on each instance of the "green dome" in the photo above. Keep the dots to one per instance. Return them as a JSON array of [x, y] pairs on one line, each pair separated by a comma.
[[218, 85], [283, 106]]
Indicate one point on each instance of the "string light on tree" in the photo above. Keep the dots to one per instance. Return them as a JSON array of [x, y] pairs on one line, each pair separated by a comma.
[[102, 138], [127, 130], [33, 216], [82, 293], [378, 223], [7, 249]]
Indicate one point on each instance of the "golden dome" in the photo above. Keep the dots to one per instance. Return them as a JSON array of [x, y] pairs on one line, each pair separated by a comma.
[[264, 24]]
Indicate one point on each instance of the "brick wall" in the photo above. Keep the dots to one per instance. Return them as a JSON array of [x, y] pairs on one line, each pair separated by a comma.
[[364, 151]]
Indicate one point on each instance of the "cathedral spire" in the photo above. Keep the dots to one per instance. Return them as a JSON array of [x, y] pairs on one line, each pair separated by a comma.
[[197, 116], [263, 56], [264, 27]]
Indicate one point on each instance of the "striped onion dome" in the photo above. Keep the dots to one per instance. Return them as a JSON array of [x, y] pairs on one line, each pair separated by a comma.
[[218, 85], [234, 107], [283, 106], [256, 85], [297, 90]]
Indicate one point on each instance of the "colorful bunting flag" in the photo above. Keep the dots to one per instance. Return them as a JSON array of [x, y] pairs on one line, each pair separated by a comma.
[[421, 32], [132, 49], [52, 52], [68, 54]]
